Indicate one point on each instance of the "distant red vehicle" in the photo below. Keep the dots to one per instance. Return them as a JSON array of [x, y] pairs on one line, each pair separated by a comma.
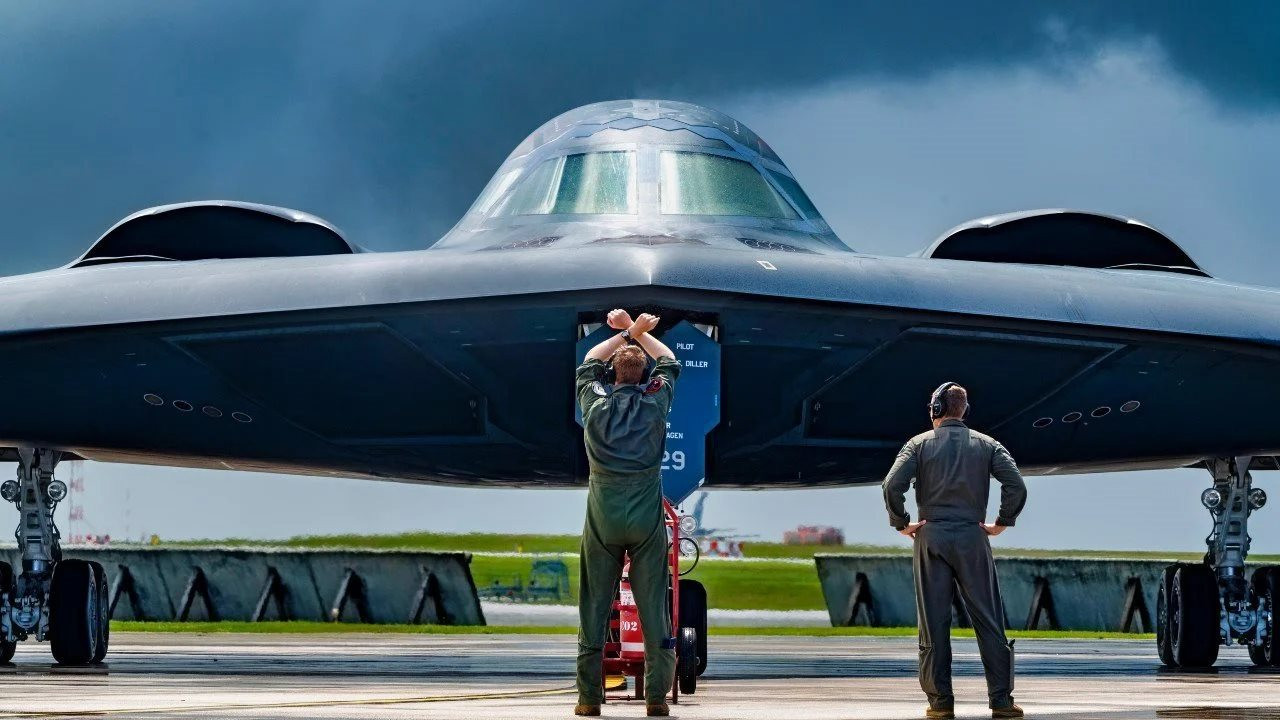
[[814, 535]]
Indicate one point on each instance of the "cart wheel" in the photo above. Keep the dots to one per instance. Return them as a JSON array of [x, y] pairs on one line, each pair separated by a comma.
[[693, 614], [687, 661]]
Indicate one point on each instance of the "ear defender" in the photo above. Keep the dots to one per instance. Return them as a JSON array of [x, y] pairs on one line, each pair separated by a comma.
[[938, 401]]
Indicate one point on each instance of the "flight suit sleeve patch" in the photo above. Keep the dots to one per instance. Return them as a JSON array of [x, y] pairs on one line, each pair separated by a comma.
[[654, 386], [598, 388]]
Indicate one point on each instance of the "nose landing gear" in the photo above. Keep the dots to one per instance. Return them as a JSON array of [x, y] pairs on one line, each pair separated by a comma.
[[1203, 606], [63, 601]]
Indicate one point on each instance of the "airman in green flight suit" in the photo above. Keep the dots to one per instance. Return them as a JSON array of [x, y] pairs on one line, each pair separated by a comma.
[[625, 428]]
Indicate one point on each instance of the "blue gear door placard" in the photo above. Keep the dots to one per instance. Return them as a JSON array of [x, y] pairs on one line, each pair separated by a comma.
[[695, 411]]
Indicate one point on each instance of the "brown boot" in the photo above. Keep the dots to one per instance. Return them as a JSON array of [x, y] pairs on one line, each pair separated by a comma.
[[1012, 711], [658, 709], [941, 713], [587, 710]]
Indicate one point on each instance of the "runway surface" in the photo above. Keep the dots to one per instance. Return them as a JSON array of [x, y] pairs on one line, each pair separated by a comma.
[[526, 614], [529, 676]]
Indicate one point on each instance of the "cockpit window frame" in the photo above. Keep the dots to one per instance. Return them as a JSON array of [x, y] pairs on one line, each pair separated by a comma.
[[761, 169], [495, 191], [648, 145], [534, 164]]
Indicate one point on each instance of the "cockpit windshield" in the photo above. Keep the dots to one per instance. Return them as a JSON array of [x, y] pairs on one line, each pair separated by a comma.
[[642, 169], [695, 183], [585, 183]]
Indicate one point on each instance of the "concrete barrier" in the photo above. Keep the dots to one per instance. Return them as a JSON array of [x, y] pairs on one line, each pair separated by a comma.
[[1059, 593], [267, 584]]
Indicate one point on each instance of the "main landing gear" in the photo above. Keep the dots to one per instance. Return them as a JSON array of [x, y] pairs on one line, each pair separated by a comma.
[[62, 601], [1203, 606]]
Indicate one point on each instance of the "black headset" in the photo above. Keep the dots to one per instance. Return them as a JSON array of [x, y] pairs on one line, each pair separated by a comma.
[[938, 401], [609, 376]]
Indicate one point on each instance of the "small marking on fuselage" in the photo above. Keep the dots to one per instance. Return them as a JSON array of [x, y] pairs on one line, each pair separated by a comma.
[[766, 265]]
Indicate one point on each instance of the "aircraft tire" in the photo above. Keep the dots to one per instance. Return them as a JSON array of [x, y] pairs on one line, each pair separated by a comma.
[[7, 648], [75, 613], [1194, 616], [1164, 647], [1266, 587], [104, 612], [693, 614]]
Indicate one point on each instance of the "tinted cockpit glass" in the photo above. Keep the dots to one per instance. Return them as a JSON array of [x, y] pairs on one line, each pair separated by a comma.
[[494, 190], [696, 183], [586, 183], [793, 189]]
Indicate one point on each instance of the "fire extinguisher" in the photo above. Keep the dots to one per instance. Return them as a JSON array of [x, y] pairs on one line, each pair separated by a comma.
[[629, 632]]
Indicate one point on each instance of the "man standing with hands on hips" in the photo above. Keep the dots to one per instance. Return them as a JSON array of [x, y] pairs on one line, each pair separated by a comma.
[[952, 467]]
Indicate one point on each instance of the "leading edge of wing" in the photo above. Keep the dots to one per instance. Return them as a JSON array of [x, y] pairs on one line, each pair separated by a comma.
[[153, 292]]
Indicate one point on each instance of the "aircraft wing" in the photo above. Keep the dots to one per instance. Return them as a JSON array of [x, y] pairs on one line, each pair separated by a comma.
[[241, 336], [456, 366]]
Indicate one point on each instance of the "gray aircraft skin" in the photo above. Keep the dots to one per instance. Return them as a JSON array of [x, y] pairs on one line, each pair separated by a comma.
[[231, 335]]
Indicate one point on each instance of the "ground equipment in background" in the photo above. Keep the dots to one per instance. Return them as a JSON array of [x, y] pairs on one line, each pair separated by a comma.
[[548, 582], [813, 535]]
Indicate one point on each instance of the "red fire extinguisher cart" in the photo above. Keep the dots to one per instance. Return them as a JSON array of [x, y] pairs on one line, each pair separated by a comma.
[[624, 647]]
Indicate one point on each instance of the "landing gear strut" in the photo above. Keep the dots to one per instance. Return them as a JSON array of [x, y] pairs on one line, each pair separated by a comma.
[[1203, 606], [63, 601]]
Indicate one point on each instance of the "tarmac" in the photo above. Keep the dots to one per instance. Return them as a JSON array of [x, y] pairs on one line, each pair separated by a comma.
[[535, 614], [152, 675]]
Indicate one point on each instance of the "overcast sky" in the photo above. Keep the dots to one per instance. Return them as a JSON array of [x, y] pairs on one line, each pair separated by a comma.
[[901, 120]]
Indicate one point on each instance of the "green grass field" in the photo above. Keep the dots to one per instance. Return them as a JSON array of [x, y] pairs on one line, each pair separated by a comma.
[[323, 627], [504, 542], [734, 585], [469, 542]]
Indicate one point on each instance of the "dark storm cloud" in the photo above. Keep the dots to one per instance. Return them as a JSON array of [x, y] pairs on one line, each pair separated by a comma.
[[387, 118]]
